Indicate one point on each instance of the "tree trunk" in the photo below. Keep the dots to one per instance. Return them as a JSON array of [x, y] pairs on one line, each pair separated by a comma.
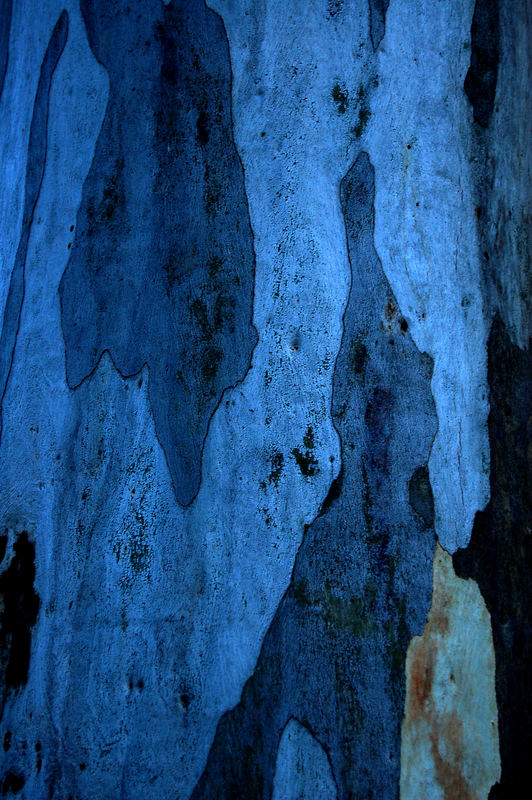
[[265, 387]]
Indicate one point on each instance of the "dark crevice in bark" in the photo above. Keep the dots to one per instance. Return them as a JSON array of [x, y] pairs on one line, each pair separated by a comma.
[[20, 606], [481, 79], [499, 556]]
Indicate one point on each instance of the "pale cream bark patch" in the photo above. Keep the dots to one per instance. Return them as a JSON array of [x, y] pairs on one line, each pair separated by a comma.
[[450, 740]]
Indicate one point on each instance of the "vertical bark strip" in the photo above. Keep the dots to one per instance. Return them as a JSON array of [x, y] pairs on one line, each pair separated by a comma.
[[5, 25], [499, 556], [34, 176]]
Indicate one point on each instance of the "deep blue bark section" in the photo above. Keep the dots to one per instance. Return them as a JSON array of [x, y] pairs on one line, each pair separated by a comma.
[[162, 266], [34, 176], [334, 655], [499, 556], [481, 79], [6, 8]]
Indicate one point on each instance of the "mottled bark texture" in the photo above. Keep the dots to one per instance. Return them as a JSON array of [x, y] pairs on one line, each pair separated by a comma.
[[162, 264], [265, 387], [334, 654]]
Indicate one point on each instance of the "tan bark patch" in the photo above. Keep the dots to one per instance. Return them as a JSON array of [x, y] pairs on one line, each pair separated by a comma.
[[450, 746]]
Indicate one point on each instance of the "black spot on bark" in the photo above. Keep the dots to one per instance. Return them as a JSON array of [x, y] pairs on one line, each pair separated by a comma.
[[360, 357], [12, 783], [334, 7], [277, 465], [20, 606], [481, 79], [340, 97], [306, 462], [201, 128], [499, 556]]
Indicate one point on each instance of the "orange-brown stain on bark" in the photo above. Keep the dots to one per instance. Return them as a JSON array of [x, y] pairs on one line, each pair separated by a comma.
[[444, 730]]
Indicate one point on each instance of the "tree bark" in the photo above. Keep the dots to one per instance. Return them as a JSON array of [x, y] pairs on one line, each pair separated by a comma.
[[265, 385]]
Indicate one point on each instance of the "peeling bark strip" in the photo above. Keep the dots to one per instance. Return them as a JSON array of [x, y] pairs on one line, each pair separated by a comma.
[[481, 79], [162, 266], [19, 606], [499, 556], [334, 655], [34, 175]]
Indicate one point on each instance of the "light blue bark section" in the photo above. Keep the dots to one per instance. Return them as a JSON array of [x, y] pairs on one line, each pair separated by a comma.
[[302, 771], [419, 140]]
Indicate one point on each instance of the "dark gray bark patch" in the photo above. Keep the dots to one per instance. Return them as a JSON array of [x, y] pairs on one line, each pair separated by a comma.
[[377, 20], [34, 176], [481, 79], [499, 556], [361, 587], [162, 267], [20, 607], [420, 495]]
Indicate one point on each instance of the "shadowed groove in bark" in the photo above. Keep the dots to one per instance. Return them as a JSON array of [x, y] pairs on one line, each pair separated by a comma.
[[481, 79], [499, 556], [19, 608]]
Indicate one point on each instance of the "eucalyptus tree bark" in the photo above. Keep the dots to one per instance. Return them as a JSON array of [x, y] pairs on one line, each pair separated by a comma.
[[265, 387]]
